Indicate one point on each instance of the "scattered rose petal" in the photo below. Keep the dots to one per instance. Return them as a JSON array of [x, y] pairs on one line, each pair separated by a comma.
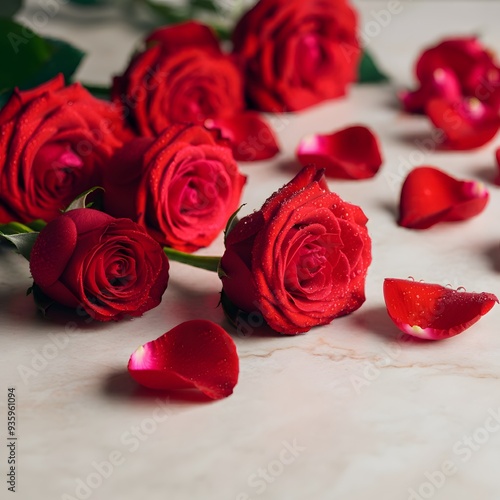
[[350, 153], [468, 124], [433, 312], [442, 83], [195, 354], [429, 196], [497, 180], [250, 136]]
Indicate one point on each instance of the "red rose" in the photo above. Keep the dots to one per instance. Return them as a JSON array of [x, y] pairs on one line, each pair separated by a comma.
[[301, 260], [110, 267], [54, 140], [182, 186], [181, 77], [455, 68], [297, 53]]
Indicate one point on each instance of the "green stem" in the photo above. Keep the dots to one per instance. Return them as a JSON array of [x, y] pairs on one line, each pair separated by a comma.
[[200, 261], [15, 228]]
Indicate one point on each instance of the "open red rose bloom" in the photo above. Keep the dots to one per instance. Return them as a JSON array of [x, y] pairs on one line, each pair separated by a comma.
[[109, 267], [196, 354], [301, 260], [296, 53], [433, 312], [181, 77], [429, 196], [350, 153], [182, 186], [54, 142]]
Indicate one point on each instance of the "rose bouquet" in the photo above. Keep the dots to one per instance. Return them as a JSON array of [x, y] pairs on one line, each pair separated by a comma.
[[165, 149]]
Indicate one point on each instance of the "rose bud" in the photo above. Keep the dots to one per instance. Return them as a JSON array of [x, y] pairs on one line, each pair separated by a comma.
[[54, 141], [301, 260], [109, 267], [296, 54], [181, 77], [182, 187]]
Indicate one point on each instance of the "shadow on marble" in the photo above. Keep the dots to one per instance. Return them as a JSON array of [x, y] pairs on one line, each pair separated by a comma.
[[492, 254], [120, 385], [389, 208], [376, 320], [290, 166], [487, 174]]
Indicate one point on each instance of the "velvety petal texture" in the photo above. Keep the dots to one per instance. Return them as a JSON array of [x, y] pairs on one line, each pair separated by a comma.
[[250, 136], [182, 186], [196, 354], [468, 124], [108, 267], [54, 142], [430, 196], [182, 76], [301, 260], [295, 53], [350, 153], [433, 312]]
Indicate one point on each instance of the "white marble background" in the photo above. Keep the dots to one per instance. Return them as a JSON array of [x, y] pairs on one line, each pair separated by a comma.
[[365, 415]]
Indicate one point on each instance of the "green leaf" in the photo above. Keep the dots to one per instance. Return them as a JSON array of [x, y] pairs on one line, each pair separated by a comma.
[[368, 71], [64, 59], [233, 220], [23, 242], [22, 52], [81, 201], [89, 2], [10, 7], [170, 15], [100, 91]]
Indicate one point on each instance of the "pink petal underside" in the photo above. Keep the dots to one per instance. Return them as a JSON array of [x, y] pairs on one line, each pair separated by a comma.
[[351, 153], [433, 312], [195, 354]]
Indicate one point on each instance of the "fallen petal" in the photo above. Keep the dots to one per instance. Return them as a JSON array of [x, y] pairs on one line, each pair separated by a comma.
[[442, 83], [250, 136], [195, 354], [468, 124], [350, 153], [429, 196], [433, 312]]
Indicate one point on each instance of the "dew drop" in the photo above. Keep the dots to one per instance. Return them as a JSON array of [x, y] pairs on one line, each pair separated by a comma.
[[461, 289], [411, 278]]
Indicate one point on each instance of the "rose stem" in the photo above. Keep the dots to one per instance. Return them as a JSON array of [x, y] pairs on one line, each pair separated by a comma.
[[201, 261]]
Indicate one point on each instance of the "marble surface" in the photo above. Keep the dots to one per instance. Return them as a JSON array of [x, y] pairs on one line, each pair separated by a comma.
[[347, 411]]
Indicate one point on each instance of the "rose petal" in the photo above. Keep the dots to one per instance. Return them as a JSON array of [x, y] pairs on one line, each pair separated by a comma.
[[442, 83], [188, 34], [466, 125], [433, 312], [351, 153], [250, 136], [52, 252], [430, 196], [195, 354]]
